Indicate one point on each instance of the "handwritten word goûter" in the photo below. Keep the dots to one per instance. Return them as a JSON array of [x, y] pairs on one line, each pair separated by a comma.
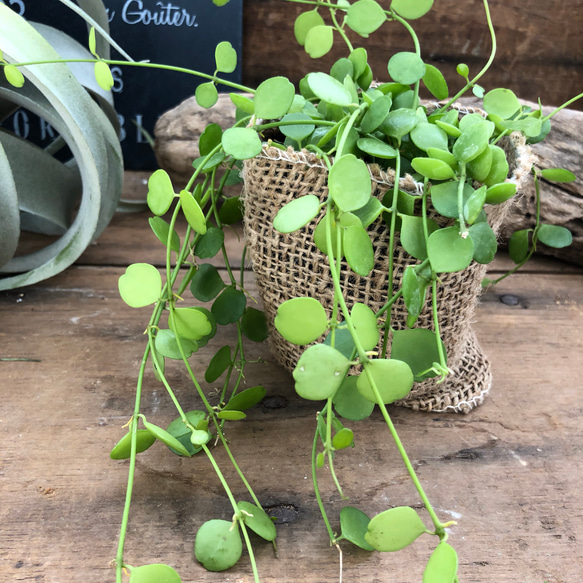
[[166, 14], [133, 12]]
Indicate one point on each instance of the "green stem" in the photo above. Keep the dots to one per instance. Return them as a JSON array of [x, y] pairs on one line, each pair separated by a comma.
[[460, 201], [566, 104], [147, 65], [391, 259], [317, 489]]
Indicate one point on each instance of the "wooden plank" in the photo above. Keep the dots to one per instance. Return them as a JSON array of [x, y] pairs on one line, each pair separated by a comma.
[[509, 473]]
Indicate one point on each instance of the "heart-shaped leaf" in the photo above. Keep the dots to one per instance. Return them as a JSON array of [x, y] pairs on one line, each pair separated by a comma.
[[349, 403], [296, 214], [229, 306], [156, 573], [241, 143], [140, 285], [394, 529], [319, 372], [160, 192], [305, 22], [191, 323], [218, 545], [410, 9], [418, 348], [301, 320], [393, 379], [448, 251], [406, 68], [206, 94], [442, 565], [225, 57], [273, 98], [206, 283], [365, 16], [319, 41], [349, 183]]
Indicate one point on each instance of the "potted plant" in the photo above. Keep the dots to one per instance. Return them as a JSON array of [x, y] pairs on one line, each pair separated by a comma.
[[375, 181]]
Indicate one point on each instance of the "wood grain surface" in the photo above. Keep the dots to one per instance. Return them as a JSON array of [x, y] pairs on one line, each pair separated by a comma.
[[509, 473]]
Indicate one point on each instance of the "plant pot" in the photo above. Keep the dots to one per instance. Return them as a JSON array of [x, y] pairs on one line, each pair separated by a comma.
[[290, 265]]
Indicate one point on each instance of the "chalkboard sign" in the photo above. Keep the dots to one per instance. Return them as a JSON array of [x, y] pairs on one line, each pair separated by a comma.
[[181, 33]]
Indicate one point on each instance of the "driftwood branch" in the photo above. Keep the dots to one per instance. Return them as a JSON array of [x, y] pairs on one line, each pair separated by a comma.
[[178, 130]]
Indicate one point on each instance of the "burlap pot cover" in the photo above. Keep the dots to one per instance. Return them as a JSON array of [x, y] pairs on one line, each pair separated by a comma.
[[290, 265]]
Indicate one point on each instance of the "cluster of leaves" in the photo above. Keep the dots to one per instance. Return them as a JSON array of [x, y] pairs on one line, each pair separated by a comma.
[[460, 167]]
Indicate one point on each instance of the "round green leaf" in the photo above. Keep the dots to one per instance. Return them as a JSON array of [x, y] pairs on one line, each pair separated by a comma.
[[411, 9], [341, 69], [498, 193], [554, 236], [444, 198], [241, 143], [192, 212], [428, 135], [558, 175], [399, 122], [156, 573], [349, 403], [225, 57], [472, 142], [365, 16], [304, 23], [479, 168], [393, 379], [448, 128], [245, 399], [442, 565], [354, 524], [358, 250], [231, 211], [16, 78], [297, 132], [435, 82], [319, 41], [210, 243], [219, 363], [162, 229], [103, 76], [254, 324], [328, 89], [257, 520], [394, 529], [160, 192], [349, 183], [273, 98], [229, 306], [406, 68], [218, 545], [377, 148], [140, 285], [358, 57], [319, 372], [343, 439], [190, 323], [301, 320], [296, 214], [206, 94], [485, 243], [413, 235], [501, 102], [518, 245], [418, 348], [206, 283], [166, 438], [167, 345], [365, 322], [433, 168], [448, 251], [182, 433], [123, 448]]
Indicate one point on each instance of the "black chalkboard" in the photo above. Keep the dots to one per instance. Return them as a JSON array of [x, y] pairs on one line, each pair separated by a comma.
[[181, 33]]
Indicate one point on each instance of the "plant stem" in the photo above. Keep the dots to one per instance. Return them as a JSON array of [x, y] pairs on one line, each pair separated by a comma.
[[317, 489]]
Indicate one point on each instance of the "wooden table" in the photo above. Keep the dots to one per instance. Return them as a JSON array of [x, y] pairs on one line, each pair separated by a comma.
[[509, 473]]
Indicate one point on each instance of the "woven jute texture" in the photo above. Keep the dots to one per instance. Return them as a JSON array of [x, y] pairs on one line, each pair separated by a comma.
[[290, 265]]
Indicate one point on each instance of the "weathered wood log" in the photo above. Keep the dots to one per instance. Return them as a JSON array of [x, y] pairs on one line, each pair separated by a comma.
[[178, 130]]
